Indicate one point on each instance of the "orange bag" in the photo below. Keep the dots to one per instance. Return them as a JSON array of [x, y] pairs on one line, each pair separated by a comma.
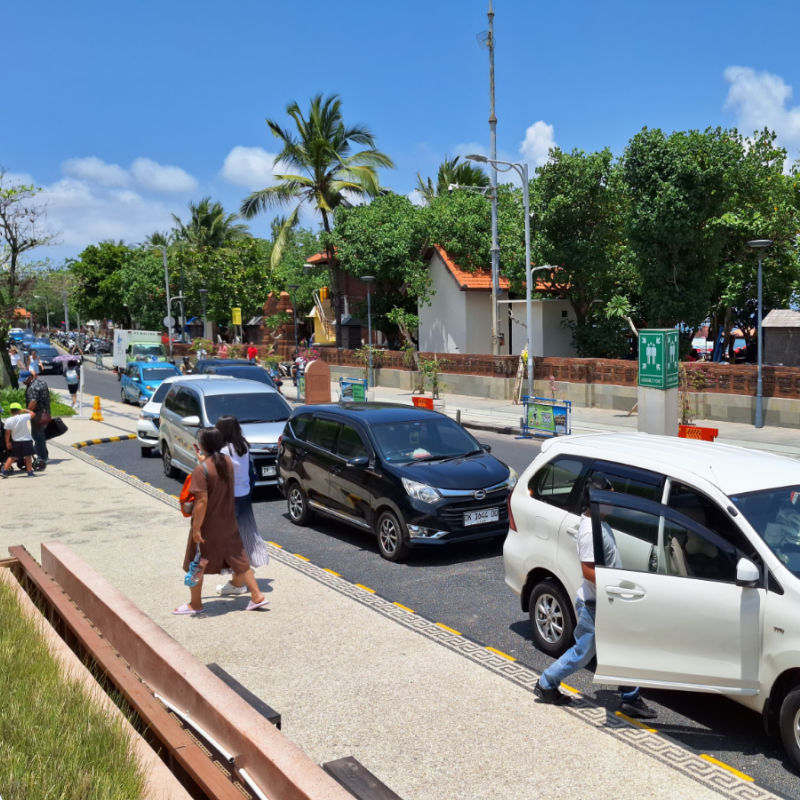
[[186, 498]]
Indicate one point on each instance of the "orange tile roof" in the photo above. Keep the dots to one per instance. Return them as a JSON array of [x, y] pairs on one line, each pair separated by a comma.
[[480, 279]]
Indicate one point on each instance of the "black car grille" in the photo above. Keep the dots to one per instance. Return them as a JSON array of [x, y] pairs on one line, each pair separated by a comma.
[[453, 514]]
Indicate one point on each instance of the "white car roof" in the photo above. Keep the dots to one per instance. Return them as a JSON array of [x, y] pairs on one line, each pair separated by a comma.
[[733, 469]]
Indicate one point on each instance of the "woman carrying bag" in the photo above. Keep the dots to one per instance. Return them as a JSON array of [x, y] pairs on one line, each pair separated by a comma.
[[214, 535], [237, 449]]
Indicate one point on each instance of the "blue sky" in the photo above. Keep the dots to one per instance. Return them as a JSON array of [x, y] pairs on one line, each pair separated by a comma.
[[123, 113]]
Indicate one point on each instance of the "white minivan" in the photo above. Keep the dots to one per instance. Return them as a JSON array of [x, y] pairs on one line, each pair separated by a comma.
[[708, 595]]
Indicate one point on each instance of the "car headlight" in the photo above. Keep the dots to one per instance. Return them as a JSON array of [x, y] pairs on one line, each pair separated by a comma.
[[150, 388], [421, 491], [513, 477]]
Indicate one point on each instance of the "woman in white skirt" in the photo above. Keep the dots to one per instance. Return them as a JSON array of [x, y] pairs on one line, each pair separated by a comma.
[[239, 451]]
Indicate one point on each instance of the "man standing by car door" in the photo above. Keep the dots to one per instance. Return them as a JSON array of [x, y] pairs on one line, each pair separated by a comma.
[[582, 652], [37, 399]]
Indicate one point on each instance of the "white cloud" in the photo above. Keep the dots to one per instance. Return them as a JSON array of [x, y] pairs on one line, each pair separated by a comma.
[[162, 178], [415, 196], [471, 148], [96, 170], [538, 141], [251, 167], [760, 100]]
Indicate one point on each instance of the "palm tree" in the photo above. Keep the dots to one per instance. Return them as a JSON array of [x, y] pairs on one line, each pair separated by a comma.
[[319, 167], [208, 226], [450, 173]]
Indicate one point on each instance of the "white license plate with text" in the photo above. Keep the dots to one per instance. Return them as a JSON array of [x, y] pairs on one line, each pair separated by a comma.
[[268, 472], [481, 517]]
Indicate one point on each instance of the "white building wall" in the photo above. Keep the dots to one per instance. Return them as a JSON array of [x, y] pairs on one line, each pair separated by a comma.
[[443, 324], [551, 337]]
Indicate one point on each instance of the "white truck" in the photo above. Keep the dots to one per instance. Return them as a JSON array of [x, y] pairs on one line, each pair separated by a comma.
[[130, 345]]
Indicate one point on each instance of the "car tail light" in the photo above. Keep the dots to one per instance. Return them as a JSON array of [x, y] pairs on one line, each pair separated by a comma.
[[511, 524]]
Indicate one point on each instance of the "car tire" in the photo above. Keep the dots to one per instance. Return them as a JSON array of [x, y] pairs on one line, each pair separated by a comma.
[[122, 396], [166, 460], [789, 726], [392, 536], [551, 618], [297, 504]]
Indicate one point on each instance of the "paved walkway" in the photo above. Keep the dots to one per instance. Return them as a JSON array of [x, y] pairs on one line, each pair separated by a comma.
[[430, 712]]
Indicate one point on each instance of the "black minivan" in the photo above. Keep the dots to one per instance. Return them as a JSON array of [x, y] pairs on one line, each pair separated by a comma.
[[410, 476]]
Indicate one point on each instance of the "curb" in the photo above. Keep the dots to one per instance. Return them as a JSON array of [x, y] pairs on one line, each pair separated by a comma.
[[104, 440]]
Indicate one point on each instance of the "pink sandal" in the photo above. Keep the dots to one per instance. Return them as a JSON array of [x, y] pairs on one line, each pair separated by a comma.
[[187, 609]]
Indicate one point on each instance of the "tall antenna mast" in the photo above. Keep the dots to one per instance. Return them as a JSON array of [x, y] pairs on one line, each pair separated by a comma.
[[493, 175]]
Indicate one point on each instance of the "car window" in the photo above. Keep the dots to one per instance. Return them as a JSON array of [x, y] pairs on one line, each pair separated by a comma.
[[248, 407], [171, 400], [160, 393], [191, 404], [648, 542], [631, 480], [250, 373], [433, 437], [323, 433], [555, 482], [157, 373], [300, 425], [350, 444]]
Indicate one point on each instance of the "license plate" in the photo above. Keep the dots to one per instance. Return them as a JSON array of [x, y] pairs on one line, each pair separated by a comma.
[[481, 517], [268, 472]]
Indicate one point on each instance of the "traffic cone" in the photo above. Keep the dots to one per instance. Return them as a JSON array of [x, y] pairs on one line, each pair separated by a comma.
[[96, 415]]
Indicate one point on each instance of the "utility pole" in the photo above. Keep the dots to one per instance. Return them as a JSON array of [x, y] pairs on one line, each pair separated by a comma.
[[493, 175]]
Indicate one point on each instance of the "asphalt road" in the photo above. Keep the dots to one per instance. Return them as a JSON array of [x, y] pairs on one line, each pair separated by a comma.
[[464, 588]]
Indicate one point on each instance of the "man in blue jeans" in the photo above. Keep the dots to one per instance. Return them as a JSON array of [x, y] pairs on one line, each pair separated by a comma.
[[582, 652]]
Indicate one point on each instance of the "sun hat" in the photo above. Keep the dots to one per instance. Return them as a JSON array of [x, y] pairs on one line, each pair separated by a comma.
[[15, 407], [24, 374]]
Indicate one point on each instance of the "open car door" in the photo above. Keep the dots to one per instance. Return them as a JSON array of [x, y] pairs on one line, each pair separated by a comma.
[[679, 618]]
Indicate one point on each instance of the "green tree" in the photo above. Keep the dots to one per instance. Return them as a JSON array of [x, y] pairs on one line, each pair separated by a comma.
[[386, 238], [451, 173], [98, 274], [326, 173], [208, 226]]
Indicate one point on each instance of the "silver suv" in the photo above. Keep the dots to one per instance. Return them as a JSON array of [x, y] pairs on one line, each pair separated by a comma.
[[192, 405]]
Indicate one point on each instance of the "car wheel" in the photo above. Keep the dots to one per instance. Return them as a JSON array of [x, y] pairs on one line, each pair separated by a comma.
[[789, 726], [392, 537], [166, 460], [551, 618], [297, 504], [122, 396]]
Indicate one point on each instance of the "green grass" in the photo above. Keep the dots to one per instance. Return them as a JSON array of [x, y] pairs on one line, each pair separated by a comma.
[[57, 408], [55, 744]]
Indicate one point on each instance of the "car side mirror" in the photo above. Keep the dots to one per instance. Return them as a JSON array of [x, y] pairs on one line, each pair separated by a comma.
[[747, 574], [192, 422], [487, 448], [358, 462]]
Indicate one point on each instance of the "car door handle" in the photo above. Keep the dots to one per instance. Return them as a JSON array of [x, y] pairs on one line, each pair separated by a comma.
[[625, 592]]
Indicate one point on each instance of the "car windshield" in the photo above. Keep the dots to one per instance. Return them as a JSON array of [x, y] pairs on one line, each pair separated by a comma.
[[250, 373], [157, 373], [148, 349], [251, 407], [775, 516], [432, 439]]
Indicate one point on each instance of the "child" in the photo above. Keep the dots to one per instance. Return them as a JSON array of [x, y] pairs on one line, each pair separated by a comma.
[[18, 439], [73, 379]]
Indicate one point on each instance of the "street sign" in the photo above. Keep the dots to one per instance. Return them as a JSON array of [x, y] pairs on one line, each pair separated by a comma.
[[658, 358], [236, 316], [169, 322]]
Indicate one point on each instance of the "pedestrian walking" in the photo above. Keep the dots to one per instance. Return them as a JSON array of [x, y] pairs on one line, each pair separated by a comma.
[[214, 534], [18, 439], [252, 352], [16, 358], [582, 652], [238, 450], [34, 364], [73, 378], [222, 350], [37, 399]]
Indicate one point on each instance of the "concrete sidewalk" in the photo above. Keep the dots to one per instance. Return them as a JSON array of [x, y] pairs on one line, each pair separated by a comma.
[[431, 713]]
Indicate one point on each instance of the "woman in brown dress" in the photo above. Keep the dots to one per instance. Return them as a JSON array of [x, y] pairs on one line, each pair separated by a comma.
[[214, 526]]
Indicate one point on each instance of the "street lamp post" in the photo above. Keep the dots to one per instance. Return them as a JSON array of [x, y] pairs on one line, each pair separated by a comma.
[[760, 245], [203, 293], [163, 248], [294, 287], [369, 280], [522, 171], [47, 309]]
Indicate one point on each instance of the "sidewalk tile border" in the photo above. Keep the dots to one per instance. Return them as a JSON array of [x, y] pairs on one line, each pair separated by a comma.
[[656, 745]]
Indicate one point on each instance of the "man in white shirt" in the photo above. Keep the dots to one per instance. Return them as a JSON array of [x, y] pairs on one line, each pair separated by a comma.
[[18, 439], [582, 652]]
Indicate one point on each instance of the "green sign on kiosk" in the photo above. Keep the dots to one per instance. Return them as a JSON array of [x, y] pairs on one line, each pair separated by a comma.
[[658, 358]]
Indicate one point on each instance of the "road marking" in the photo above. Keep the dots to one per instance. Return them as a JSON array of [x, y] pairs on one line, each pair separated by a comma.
[[331, 572], [500, 653], [302, 558], [569, 688], [275, 544], [635, 722], [365, 588], [446, 628], [722, 764], [405, 608]]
